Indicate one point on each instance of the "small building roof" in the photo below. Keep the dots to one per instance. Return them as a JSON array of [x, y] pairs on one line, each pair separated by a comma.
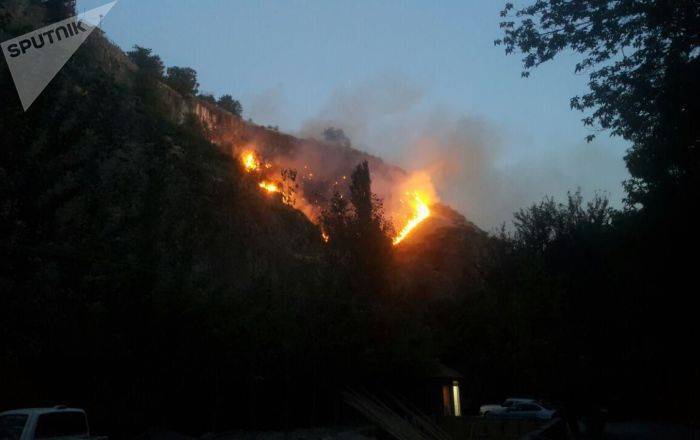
[[442, 371]]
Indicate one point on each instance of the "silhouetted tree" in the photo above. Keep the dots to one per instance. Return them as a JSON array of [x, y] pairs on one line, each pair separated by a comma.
[[208, 97], [359, 235], [543, 224], [227, 103], [546, 303], [148, 63], [643, 62], [336, 135], [182, 80], [101, 267], [57, 10]]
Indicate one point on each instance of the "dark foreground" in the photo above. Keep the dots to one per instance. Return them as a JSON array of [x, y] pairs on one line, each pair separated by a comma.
[[642, 430]]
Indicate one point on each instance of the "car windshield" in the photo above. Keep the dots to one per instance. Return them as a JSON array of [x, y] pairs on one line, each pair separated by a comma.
[[11, 426]]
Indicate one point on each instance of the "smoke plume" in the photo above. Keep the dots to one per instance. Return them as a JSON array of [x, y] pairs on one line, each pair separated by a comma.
[[476, 165]]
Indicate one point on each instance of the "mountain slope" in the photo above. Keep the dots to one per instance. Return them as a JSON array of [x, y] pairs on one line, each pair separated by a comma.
[[442, 256], [136, 254], [150, 280]]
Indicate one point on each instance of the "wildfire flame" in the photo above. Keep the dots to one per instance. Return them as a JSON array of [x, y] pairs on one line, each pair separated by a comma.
[[415, 205], [421, 211], [269, 186], [250, 162]]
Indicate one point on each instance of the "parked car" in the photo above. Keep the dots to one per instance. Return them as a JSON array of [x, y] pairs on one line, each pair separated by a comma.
[[44, 423], [519, 408]]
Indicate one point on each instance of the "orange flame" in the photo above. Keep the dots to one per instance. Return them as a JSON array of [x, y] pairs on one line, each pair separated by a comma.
[[421, 211], [269, 186], [414, 208], [250, 162]]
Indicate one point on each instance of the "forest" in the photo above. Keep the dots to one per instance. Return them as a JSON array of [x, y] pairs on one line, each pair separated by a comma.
[[147, 279]]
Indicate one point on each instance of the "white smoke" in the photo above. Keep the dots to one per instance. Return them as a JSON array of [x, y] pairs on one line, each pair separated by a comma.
[[477, 166]]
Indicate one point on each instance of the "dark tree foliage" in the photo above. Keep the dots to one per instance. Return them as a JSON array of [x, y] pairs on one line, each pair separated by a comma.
[[542, 225], [182, 80], [19, 16], [148, 63], [643, 62], [336, 135], [208, 97], [149, 281], [57, 10], [362, 198], [545, 306], [359, 235], [359, 254], [145, 279], [227, 103]]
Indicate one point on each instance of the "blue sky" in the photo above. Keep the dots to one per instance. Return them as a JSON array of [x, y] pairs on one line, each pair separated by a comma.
[[294, 62]]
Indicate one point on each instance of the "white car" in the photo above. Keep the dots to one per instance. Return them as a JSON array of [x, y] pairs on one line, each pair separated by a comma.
[[516, 408], [43, 423]]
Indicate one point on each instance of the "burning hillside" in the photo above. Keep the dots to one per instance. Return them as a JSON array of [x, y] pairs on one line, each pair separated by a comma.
[[306, 173], [444, 253], [420, 211], [407, 201]]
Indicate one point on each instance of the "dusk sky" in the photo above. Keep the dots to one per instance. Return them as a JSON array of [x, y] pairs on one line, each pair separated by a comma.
[[392, 74]]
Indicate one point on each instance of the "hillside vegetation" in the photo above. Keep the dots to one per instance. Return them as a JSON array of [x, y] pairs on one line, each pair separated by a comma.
[[144, 278], [147, 278]]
